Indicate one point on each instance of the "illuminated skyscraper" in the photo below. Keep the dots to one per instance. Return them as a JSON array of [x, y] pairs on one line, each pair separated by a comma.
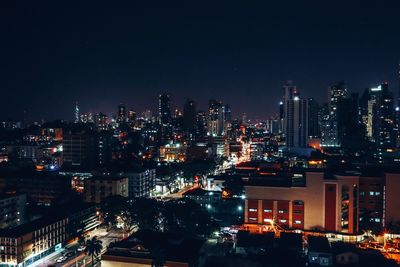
[[132, 117], [383, 120], [121, 116], [100, 121], [295, 117], [77, 118], [201, 124], [330, 124], [215, 123]]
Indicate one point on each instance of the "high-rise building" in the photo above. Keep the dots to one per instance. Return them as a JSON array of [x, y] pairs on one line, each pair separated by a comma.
[[215, 123], [189, 115], [164, 109], [147, 115], [121, 116], [227, 112], [383, 123], [76, 113], [337, 93], [201, 124], [281, 116], [351, 130], [398, 80], [363, 108], [329, 127], [313, 114], [100, 121], [295, 117], [86, 149], [132, 117]]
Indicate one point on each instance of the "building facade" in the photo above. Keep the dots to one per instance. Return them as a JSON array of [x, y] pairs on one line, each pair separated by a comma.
[[333, 204], [98, 188]]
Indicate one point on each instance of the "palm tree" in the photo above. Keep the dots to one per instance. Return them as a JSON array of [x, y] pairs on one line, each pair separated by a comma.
[[93, 247]]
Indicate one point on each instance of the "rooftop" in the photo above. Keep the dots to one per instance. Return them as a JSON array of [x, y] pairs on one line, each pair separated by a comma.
[[143, 244]]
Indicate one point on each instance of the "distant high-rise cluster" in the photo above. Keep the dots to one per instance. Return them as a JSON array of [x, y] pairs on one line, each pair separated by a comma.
[[345, 121]]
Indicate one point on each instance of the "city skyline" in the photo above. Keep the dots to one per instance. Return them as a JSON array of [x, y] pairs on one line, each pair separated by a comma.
[[106, 55], [200, 134]]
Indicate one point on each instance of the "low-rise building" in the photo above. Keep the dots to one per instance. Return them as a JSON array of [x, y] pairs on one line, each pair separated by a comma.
[[327, 202], [319, 251], [173, 152], [12, 209], [98, 188], [29, 242], [153, 249], [142, 183]]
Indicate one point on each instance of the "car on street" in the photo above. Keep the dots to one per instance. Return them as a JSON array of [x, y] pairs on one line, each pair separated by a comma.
[[61, 259]]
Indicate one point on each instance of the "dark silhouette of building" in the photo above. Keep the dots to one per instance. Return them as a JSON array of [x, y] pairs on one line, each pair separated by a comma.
[[351, 132], [313, 125], [189, 116], [164, 109]]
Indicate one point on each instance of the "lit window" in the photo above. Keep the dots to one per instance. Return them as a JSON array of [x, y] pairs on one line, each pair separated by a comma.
[[283, 221], [253, 210], [377, 193], [377, 220], [267, 210], [297, 222], [252, 219], [281, 211], [371, 193], [362, 193], [298, 202]]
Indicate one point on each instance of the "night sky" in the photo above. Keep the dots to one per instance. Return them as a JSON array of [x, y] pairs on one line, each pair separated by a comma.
[[55, 53]]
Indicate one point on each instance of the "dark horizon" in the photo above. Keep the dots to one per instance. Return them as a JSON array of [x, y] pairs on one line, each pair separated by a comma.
[[102, 55]]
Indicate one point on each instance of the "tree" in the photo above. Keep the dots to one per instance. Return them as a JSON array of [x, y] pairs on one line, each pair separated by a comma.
[[127, 220], [93, 247], [112, 208], [234, 186], [185, 215], [145, 213]]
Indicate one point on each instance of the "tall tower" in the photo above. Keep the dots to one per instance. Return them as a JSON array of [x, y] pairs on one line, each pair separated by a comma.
[[313, 112], [121, 116], [189, 115], [215, 123], [295, 117], [336, 93], [164, 110], [76, 112], [383, 130], [398, 80]]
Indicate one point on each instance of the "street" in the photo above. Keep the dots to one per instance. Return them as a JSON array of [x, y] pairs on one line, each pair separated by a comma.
[[78, 258]]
